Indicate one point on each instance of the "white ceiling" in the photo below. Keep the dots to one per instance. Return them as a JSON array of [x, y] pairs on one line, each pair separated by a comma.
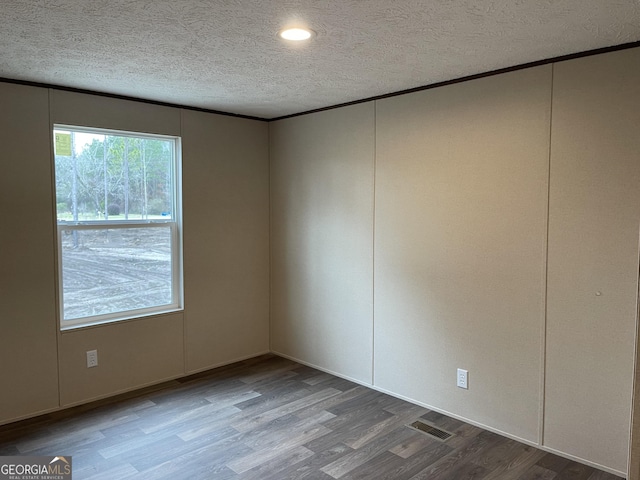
[[224, 55]]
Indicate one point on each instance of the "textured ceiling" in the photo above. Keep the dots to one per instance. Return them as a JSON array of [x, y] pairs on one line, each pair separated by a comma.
[[224, 55]]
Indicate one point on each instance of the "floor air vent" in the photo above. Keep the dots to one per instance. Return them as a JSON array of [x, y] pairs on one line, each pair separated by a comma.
[[431, 431]]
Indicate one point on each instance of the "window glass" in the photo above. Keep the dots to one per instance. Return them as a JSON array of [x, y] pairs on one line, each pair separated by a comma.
[[117, 209]]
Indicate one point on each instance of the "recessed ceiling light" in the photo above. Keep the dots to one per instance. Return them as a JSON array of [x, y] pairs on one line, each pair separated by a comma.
[[296, 34]]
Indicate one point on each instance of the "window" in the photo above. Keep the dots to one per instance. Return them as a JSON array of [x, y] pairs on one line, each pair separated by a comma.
[[118, 212]]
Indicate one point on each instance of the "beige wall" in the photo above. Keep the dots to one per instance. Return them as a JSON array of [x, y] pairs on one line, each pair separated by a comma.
[[153, 345], [226, 238], [70, 108], [463, 175], [29, 372], [593, 256], [461, 204], [130, 354], [225, 189], [322, 239], [458, 176]]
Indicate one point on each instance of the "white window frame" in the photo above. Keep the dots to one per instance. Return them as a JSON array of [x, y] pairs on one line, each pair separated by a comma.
[[175, 225]]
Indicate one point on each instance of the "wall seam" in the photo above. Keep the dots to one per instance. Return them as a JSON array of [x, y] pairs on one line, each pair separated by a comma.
[[373, 242], [543, 342], [185, 316], [633, 461], [269, 240], [54, 219]]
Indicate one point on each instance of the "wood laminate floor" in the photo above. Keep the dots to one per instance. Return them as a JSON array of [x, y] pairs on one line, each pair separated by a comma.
[[273, 419]]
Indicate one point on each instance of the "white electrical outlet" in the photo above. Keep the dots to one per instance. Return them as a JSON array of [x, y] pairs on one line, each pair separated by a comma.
[[463, 378], [92, 358]]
